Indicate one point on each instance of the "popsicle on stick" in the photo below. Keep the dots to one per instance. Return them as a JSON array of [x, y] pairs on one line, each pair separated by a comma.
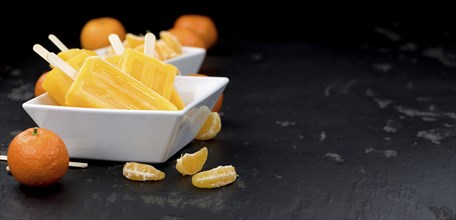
[[57, 83], [154, 73], [99, 84]]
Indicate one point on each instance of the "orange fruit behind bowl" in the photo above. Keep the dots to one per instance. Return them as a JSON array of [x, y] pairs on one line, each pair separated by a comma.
[[37, 157], [202, 25], [39, 84], [187, 37], [95, 33], [218, 105]]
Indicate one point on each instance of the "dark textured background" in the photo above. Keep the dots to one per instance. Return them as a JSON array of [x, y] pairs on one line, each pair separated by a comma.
[[334, 112]]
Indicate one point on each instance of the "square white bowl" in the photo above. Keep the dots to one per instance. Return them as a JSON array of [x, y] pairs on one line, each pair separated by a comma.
[[151, 136], [188, 62]]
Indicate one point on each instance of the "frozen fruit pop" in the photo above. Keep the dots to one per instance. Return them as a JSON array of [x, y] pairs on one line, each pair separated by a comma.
[[57, 83], [99, 84], [154, 73]]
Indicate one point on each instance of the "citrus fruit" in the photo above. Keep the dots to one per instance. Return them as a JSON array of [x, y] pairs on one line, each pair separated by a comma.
[[202, 25], [142, 172], [189, 164], [215, 177], [218, 105], [39, 84], [187, 37], [38, 157], [210, 128], [95, 32]]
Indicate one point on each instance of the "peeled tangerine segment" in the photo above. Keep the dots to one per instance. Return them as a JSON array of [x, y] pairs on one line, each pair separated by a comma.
[[155, 74], [210, 128], [141, 172], [216, 177], [189, 164], [99, 84], [57, 83]]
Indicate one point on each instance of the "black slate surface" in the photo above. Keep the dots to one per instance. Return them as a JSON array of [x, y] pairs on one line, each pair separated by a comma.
[[354, 126]]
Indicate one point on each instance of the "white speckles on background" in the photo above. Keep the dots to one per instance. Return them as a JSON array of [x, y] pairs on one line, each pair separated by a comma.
[[389, 129], [362, 170], [335, 157], [370, 93], [447, 59], [428, 119], [423, 99], [451, 115], [322, 136], [409, 46], [383, 103], [285, 123], [22, 93], [327, 91], [346, 87], [390, 153], [382, 67], [257, 57], [112, 198], [128, 197], [415, 113], [15, 132], [392, 126], [432, 135], [386, 153], [387, 33], [16, 72]]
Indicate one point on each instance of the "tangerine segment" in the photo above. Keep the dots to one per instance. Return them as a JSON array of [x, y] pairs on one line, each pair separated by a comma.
[[210, 128], [189, 164], [216, 177], [141, 172]]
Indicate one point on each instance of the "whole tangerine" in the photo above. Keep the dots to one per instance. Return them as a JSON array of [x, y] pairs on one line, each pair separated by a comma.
[[202, 25], [188, 38], [95, 33], [39, 84], [37, 157], [218, 105]]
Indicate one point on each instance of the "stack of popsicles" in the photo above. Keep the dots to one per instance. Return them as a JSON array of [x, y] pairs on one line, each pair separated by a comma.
[[134, 81]]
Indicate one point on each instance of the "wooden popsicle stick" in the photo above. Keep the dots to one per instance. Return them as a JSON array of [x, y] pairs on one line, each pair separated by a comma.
[[78, 164], [70, 164], [149, 44], [40, 50], [62, 65], [57, 42], [116, 44]]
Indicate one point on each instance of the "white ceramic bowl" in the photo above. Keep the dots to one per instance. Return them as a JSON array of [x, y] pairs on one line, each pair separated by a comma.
[[130, 135], [188, 62]]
